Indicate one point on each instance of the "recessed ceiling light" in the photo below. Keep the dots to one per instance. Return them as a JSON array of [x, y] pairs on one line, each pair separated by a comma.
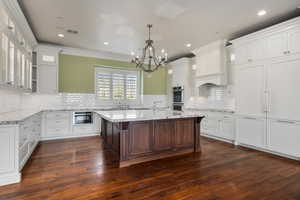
[[132, 53], [61, 35], [106, 43], [188, 45], [162, 51], [262, 13]]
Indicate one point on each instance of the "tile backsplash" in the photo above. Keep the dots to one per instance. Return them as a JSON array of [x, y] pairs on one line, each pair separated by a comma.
[[44, 101], [10, 100], [213, 97]]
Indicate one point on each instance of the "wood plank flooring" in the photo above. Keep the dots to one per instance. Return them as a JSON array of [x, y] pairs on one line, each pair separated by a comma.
[[80, 169]]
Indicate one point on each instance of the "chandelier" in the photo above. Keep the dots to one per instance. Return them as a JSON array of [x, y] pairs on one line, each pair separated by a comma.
[[149, 62]]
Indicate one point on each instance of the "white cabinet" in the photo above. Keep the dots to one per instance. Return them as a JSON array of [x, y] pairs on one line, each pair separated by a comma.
[[250, 51], [211, 64], [59, 124], [47, 79], [250, 88], [47, 69], [219, 125], [277, 45], [29, 136], [181, 71], [210, 59], [284, 137], [15, 54], [9, 170], [56, 124], [227, 127], [7, 149], [251, 131], [294, 40], [283, 95]]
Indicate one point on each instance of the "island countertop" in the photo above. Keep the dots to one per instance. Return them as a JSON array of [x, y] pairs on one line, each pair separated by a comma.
[[144, 115]]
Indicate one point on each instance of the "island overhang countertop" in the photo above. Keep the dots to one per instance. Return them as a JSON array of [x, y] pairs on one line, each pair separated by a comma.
[[145, 115]]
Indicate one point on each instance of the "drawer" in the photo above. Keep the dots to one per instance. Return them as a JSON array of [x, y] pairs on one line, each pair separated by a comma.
[[57, 115], [57, 131], [57, 123], [81, 130]]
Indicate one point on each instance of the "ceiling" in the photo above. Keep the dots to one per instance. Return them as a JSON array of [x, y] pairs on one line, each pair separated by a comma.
[[176, 22]]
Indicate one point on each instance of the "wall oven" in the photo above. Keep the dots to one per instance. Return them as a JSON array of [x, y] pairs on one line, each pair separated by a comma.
[[178, 98], [82, 118]]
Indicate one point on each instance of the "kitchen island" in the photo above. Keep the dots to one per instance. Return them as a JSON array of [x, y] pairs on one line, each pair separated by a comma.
[[137, 136]]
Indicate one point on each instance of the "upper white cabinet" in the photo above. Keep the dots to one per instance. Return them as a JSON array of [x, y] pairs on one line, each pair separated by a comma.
[[180, 71], [274, 42], [211, 65], [15, 49], [276, 45], [294, 40], [47, 69]]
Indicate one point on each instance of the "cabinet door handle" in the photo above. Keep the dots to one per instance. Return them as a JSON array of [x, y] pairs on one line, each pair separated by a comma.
[[286, 121]]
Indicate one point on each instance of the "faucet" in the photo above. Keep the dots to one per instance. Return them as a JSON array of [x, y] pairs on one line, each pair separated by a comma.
[[154, 107]]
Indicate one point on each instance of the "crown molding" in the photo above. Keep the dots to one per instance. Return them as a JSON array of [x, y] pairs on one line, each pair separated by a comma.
[[86, 52]]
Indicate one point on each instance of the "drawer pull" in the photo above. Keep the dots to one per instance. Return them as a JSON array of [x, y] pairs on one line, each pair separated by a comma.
[[286, 122], [250, 118]]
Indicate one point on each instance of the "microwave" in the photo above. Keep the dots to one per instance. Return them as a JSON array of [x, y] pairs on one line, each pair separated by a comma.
[[82, 118]]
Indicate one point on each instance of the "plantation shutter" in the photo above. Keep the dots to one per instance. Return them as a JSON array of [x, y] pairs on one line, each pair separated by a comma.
[[117, 84]]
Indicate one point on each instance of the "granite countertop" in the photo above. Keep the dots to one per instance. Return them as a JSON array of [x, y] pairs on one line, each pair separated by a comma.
[[15, 117], [212, 110], [144, 115]]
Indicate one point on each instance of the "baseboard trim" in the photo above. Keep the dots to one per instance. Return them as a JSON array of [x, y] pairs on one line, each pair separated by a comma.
[[10, 178], [68, 137], [217, 138], [268, 151]]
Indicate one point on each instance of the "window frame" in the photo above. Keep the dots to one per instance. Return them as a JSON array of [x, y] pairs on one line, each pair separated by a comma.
[[119, 70]]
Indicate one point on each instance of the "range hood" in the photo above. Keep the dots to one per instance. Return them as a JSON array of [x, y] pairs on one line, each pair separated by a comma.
[[211, 64]]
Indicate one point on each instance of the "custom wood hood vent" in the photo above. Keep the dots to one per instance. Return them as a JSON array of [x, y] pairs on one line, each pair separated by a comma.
[[210, 64]]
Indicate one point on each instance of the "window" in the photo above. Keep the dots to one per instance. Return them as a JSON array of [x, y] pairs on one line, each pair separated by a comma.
[[117, 84]]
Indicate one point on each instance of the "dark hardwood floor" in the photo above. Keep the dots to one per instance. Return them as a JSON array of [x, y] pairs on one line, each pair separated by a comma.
[[80, 169]]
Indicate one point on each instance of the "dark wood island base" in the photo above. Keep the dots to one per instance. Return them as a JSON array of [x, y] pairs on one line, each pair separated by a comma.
[[140, 141]]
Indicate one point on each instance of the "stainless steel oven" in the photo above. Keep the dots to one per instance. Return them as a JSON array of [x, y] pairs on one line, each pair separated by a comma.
[[178, 94], [82, 118], [178, 98]]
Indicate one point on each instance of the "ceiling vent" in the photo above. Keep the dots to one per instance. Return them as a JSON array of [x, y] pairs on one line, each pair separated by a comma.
[[72, 31]]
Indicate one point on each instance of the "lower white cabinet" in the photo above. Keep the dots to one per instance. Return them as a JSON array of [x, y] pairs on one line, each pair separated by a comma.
[[218, 124], [284, 137], [7, 148], [59, 124], [251, 131], [29, 136]]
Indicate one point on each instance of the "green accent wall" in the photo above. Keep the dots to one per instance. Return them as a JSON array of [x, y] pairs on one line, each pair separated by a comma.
[[76, 75]]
